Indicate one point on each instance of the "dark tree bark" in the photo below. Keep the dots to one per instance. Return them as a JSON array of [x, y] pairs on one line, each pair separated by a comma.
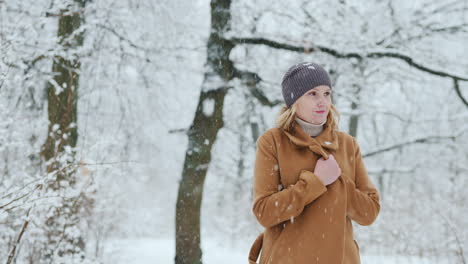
[[58, 150], [202, 135], [353, 120]]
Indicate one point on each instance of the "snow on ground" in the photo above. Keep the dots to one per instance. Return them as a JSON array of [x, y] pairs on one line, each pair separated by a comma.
[[162, 251]]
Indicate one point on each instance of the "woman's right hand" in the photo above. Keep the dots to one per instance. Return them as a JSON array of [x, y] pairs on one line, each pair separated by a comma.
[[327, 170]]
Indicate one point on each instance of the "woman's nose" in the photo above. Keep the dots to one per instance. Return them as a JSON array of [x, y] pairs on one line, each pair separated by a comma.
[[321, 101]]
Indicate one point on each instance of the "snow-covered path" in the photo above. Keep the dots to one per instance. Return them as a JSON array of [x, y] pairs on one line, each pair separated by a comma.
[[162, 251], [159, 251]]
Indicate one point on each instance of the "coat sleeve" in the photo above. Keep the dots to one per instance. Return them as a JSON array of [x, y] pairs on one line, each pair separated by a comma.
[[363, 197], [272, 205]]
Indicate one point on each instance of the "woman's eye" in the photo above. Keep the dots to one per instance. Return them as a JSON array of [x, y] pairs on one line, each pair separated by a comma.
[[327, 93], [312, 93]]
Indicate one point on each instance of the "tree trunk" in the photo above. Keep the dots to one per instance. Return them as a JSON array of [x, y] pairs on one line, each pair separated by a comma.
[[58, 151], [353, 121], [202, 134]]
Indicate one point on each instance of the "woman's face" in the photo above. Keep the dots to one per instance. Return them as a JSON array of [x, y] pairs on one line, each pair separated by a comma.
[[314, 105]]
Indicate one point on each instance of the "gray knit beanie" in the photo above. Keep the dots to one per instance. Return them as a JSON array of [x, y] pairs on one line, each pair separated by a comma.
[[302, 77]]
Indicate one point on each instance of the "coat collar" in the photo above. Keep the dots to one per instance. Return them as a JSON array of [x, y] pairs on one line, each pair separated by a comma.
[[327, 140]]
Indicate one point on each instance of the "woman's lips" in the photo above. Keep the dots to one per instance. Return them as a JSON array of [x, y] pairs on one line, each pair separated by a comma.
[[320, 112]]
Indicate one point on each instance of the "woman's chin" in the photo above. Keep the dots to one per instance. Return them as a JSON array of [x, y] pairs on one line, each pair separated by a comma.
[[317, 121]]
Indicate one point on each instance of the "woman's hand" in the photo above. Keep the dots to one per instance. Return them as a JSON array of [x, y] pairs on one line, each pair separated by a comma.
[[327, 170]]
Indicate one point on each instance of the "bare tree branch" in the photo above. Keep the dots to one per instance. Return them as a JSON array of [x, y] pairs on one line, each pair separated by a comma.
[[415, 141], [138, 47], [457, 89], [252, 79], [11, 256], [346, 55]]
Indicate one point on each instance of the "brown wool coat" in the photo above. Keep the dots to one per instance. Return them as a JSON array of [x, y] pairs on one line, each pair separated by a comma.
[[305, 221]]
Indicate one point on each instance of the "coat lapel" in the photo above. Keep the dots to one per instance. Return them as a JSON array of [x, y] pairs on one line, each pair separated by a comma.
[[326, 141]]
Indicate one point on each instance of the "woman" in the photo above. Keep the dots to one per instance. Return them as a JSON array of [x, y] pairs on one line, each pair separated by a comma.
[[310, 180]]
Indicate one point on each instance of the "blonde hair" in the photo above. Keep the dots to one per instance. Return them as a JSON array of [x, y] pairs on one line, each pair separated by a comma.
[[286, 117]]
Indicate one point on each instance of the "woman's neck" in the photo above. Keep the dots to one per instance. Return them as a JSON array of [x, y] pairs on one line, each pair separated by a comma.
[[312, 129]]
